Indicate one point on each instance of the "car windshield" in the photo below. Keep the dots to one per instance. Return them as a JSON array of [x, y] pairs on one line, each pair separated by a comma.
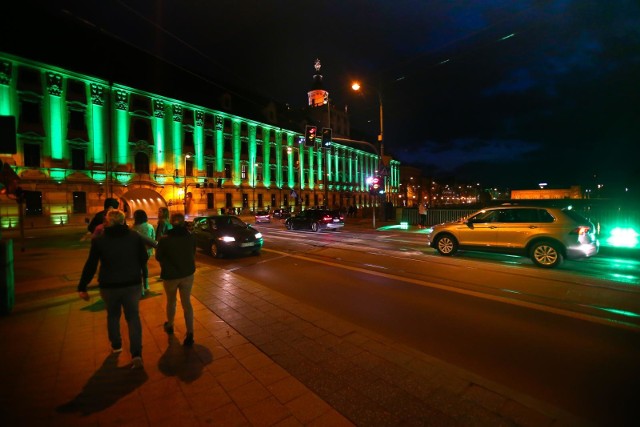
[[236, 222]]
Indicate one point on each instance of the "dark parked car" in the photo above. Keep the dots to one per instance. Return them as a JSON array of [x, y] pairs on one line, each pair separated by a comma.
[[547, 235], [281, 213], [222, 235], [315, 220]]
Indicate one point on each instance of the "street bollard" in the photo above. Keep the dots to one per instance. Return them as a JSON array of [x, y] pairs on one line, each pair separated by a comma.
[[7, 278]]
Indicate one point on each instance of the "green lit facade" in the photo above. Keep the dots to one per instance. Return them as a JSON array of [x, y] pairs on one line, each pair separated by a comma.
[[80, 139]]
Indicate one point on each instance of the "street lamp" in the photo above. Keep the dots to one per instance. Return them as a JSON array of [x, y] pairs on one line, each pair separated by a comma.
[[325, 181], [357, 87], [186, 156]]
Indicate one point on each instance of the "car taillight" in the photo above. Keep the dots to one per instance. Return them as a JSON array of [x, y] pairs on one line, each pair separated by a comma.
[[327, 218], [581, 231]]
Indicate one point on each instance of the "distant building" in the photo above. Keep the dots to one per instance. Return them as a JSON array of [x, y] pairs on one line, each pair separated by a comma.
[[573, 192]]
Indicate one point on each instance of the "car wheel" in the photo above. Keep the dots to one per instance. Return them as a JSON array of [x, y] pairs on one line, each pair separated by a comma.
[[288, 225], [255, 253], [545, 254], [214, 251], [446, 245], [314, 226]]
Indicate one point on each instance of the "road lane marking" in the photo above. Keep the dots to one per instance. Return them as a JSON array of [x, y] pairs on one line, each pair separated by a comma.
[[526, 304]]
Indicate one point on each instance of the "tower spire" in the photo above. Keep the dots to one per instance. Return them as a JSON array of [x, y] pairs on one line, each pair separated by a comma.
[[317, 96]]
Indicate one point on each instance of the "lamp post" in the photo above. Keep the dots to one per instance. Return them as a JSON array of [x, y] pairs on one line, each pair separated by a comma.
[[325, 182], [357, 87], [186, 156], [255, 169]]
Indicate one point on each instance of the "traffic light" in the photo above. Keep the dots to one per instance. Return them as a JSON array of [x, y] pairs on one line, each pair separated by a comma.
[[310, 136], [326, 137], [374, 186]]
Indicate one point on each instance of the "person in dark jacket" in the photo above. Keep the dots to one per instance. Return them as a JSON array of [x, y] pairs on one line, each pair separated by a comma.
[[176, 254], [164, 223], [98, 218], [122, 254]]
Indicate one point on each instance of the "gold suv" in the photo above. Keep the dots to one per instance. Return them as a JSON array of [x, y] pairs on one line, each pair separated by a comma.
[[546, 235]]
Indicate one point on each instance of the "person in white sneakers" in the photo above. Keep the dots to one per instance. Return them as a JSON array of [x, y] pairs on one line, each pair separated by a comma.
[[121, 253]]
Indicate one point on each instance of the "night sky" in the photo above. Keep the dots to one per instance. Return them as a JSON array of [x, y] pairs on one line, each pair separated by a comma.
[[498, 92]]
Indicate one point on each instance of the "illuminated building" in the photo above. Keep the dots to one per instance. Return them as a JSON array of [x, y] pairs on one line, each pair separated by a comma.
[[81, 138]]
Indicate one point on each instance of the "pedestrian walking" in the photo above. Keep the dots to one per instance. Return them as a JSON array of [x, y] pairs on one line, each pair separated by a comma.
[[176, 254], [98, 218], [148, 233], [121, 253], [422, 211], [164, 225], [100, 227]]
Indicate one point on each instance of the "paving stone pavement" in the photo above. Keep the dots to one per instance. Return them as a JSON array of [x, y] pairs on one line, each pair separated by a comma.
[[260, 359]]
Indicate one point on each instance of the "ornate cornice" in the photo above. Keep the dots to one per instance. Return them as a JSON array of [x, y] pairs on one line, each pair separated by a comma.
[[5, 72], [199, 118], [158, 109], [97, 94], [177, 113], [122, 100], [54, 84]]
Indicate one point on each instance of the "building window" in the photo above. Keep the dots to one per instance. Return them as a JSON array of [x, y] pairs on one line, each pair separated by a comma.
[[76, 121], [30, 118], [32, 155], [32, 203], [227, 171], [209, 168], [209, 200], [79, 202], [188, 139], [141, 162], [140, 130], [78, 159], [208, 142]]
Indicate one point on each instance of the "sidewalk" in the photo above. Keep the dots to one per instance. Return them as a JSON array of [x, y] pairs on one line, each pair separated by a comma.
[[260, 359]]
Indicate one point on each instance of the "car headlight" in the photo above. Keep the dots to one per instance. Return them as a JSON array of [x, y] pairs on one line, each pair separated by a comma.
[[258, 235], [227, 239]]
